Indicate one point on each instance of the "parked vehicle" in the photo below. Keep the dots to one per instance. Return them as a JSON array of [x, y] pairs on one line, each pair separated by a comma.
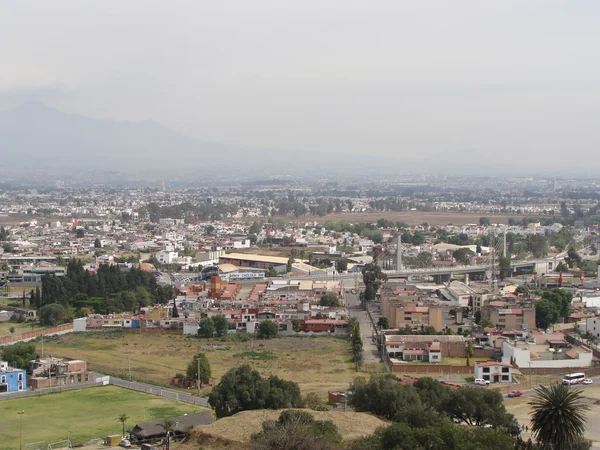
[[481, 381], [587, 381], [125, 443], [515, 394]]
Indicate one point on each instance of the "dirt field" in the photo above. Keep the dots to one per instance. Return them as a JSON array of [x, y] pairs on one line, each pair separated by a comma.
[[239, 428], [410, 217], [316, 364], [520, 408]]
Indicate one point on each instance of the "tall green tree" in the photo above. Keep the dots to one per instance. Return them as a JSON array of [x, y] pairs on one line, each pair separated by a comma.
[[52, 315], [20, 354], [267, 329], [558, 417], [199, 362], [206, 327], [221, 325]]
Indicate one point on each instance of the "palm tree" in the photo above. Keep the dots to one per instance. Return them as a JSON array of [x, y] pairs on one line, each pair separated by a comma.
[[558, 417], [168, 425], [123, 418]]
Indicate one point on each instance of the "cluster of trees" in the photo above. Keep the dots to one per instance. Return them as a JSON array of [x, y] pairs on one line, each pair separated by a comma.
[[428, 414], [554, 304], [329, 300], [19, 354], [109, 290], [242, 388], [216, 326]]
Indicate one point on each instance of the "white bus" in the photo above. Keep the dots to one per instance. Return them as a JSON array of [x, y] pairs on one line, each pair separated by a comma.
[[573, 378]]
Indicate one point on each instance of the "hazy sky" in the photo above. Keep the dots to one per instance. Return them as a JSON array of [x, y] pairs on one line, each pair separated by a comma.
[[499, 78]]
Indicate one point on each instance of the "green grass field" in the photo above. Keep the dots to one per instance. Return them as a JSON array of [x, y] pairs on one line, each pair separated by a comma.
[[316, 364], [87, 413]]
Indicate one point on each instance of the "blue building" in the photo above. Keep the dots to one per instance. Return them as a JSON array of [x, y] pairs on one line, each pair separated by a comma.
[[12, 379]]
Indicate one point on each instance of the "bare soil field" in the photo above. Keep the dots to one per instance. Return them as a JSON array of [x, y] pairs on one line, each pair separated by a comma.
[[410, 217], [317, 364]]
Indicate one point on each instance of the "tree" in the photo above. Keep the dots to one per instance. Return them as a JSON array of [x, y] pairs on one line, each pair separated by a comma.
[[268, 329], [558, 416], [12, 330], [52, 315], [537, 245], [174, 312], [221, 325], [80, 232], [484, 221], [199, 361], [123, 418], [97, 243], [372, 277], [546, 313], [341, 265], [383, 323], [297, 430], [573, 259], [463, 256], [206, 327], [242, 388], [329, 300], [288, 267], [504, 266], [168, 425], [20, 354], [272, 272], [561, 267]]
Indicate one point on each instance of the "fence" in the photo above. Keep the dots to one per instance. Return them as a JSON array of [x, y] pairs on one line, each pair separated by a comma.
[[430, 368], [154, 390], [53, 389], [66, 328]]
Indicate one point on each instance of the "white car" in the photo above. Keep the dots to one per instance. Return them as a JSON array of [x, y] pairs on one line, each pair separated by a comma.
[[481, 381], [125, 443], [587, 381]]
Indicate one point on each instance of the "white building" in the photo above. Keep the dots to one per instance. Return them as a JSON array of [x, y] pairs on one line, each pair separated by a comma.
[[538, 356], [165, 257], [493, 371]]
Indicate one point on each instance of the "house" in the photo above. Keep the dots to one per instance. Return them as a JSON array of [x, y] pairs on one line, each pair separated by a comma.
[[52, 371], [145, 431], [423, 347], [19, 314], [11, 378], [493, 371]]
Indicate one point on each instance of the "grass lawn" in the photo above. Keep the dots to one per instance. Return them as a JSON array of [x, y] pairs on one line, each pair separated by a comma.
[[316, 364], [461, 361], [87, 413]]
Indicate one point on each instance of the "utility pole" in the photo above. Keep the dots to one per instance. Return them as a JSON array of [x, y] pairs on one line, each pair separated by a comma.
[[198, 360]]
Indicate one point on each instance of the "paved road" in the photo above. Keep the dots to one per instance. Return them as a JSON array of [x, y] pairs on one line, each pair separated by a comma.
[[156, 390], [370, 351]]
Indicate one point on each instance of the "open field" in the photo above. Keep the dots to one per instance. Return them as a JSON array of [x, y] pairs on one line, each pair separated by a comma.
[[88, 413], [235, 431], [522, 411], [410, 217], [20, 327], [316, 364]]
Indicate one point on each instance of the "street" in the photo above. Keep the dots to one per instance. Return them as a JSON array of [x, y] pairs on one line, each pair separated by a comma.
[[370, 351]]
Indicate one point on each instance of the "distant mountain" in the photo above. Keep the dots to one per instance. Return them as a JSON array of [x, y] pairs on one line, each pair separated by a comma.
[[35, 135]]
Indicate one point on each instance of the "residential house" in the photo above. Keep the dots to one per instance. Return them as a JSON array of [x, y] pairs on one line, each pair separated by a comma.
[[12, 379]]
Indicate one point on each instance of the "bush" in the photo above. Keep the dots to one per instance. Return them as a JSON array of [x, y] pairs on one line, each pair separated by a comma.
[[268, 329]]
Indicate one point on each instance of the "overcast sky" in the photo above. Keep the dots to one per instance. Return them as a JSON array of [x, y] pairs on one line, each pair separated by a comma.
[[497, 78]]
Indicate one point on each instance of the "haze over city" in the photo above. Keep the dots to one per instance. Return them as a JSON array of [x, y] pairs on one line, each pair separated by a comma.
[[401, 86]]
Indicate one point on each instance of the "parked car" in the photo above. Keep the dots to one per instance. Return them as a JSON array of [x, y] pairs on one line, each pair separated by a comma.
[[481, 381], [515, 394], [587, 381], [125, 443]]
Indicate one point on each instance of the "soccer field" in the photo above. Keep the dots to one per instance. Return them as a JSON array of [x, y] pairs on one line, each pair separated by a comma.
[[87, 413]]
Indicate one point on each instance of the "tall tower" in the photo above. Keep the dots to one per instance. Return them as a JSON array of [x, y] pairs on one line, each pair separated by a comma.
[[399, 253]]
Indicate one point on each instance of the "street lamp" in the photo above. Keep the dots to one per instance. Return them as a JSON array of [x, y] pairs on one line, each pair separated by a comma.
[[21, 413]]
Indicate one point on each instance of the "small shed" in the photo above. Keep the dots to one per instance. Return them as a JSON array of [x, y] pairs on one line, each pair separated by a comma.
[[154, 429]]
